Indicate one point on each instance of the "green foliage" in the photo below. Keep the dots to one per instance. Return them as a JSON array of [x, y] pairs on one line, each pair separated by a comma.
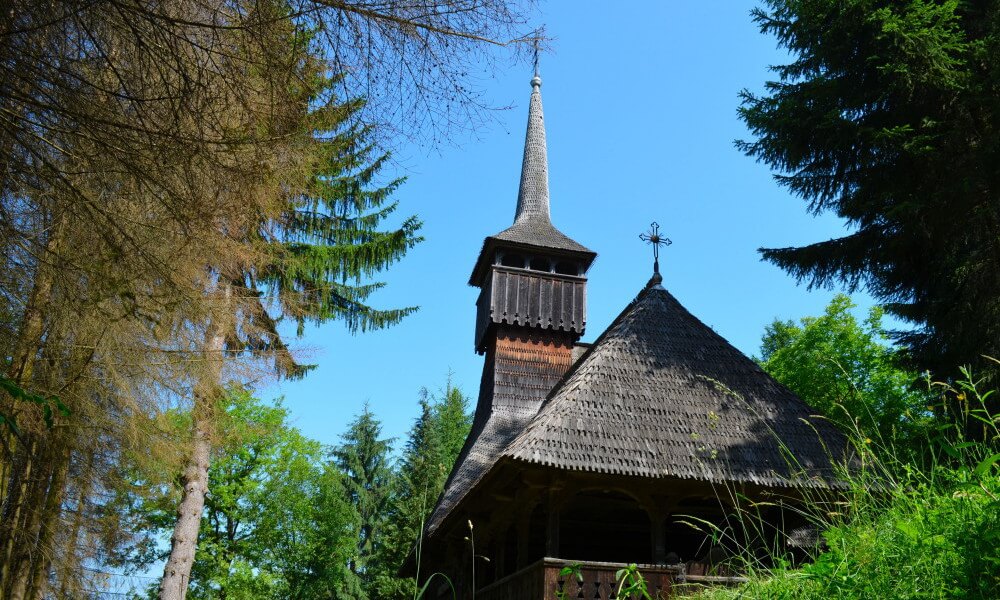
[[363, 458], [331, 229], [572, 570], [431, 449], [902, 530], [631, 583], [276, 522], [887, 116], [847, 371], [286, 518], [332, 237], [10, 387]]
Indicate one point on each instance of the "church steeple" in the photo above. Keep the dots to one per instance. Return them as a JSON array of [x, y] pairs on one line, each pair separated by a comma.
[[533, 195], [532, 232], [531, 311], [532, 275]]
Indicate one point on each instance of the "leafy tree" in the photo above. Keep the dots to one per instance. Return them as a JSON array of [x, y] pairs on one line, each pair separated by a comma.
[[276, 522], [888, 117], [847, 371], [260, 529]]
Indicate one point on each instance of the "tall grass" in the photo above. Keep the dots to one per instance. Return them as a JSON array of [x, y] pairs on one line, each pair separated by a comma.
[[905, 525]]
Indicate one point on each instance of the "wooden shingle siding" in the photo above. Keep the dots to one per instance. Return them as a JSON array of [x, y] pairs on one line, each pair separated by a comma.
[[522, 366]]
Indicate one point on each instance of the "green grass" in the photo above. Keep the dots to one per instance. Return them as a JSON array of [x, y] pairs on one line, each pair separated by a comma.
[[906, 528]]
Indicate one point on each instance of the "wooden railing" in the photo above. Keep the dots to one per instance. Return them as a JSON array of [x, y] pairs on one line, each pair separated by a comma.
[[542, 581], [526, 584]]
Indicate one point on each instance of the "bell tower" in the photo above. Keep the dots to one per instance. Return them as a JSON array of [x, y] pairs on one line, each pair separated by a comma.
[[532, 307], [531, 311]]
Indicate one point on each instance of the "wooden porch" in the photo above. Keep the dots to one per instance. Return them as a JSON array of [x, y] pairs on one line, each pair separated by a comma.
[[542, 581]]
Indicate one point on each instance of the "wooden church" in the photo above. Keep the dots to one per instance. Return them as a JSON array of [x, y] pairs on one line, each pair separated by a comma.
[[604, 454]]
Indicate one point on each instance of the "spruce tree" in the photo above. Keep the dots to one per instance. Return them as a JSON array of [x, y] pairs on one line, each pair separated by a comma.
[[888, 117], [453, 421], [309, 259], [433, 445], [363, 459]]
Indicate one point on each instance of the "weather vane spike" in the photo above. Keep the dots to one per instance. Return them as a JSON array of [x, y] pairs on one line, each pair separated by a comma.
[[656, 240]]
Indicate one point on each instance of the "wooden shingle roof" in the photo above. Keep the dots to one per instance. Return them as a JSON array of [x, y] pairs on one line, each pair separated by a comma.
[[660, 394], [533, 228], [485, 443]]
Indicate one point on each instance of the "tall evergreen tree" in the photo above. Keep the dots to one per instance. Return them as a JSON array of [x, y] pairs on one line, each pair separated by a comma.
[[309, 259], [888, 116], [433, 445], [363, 458], [453, 421]]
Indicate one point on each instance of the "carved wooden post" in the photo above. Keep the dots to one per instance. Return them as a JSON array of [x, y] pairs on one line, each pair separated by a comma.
[[657, 518], [657, 510], [500, 555]]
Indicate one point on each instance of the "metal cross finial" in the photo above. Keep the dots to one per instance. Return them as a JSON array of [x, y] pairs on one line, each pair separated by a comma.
[[537, 37], [654, 238]]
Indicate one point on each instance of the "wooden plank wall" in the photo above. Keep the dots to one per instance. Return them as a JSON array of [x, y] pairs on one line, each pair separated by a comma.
[[532, 299]]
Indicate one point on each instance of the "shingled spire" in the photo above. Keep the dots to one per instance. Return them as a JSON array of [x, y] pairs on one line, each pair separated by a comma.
[[533, 195], [532, 231], [531, 311]]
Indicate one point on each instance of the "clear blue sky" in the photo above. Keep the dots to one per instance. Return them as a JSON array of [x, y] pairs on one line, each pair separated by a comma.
[[640, 107]]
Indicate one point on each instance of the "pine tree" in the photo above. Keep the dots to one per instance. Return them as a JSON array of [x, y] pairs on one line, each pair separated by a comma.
[[309, 260], [363, 458], [888, 117], [433, 445], [453, 419]]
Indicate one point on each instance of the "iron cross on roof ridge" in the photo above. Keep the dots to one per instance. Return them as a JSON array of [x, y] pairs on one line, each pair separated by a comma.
[[653, 238]]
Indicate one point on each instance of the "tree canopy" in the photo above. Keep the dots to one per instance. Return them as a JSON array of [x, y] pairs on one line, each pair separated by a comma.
[[848, 371], [175, 179], [888, 116]]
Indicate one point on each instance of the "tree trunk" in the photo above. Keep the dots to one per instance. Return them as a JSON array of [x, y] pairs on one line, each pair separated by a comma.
[[26, 551], [21, 371], [14, 502], [51, 517], [70, 565], [183, 542]]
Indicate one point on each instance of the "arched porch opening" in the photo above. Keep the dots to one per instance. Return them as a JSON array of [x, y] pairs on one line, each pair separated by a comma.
[[606, 526], [688, 531]]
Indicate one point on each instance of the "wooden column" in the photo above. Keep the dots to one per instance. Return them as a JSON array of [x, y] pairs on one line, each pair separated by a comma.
[[523, 533], [657, 510], [656, 520], [556, 497], [500, 556], [552, 532]]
